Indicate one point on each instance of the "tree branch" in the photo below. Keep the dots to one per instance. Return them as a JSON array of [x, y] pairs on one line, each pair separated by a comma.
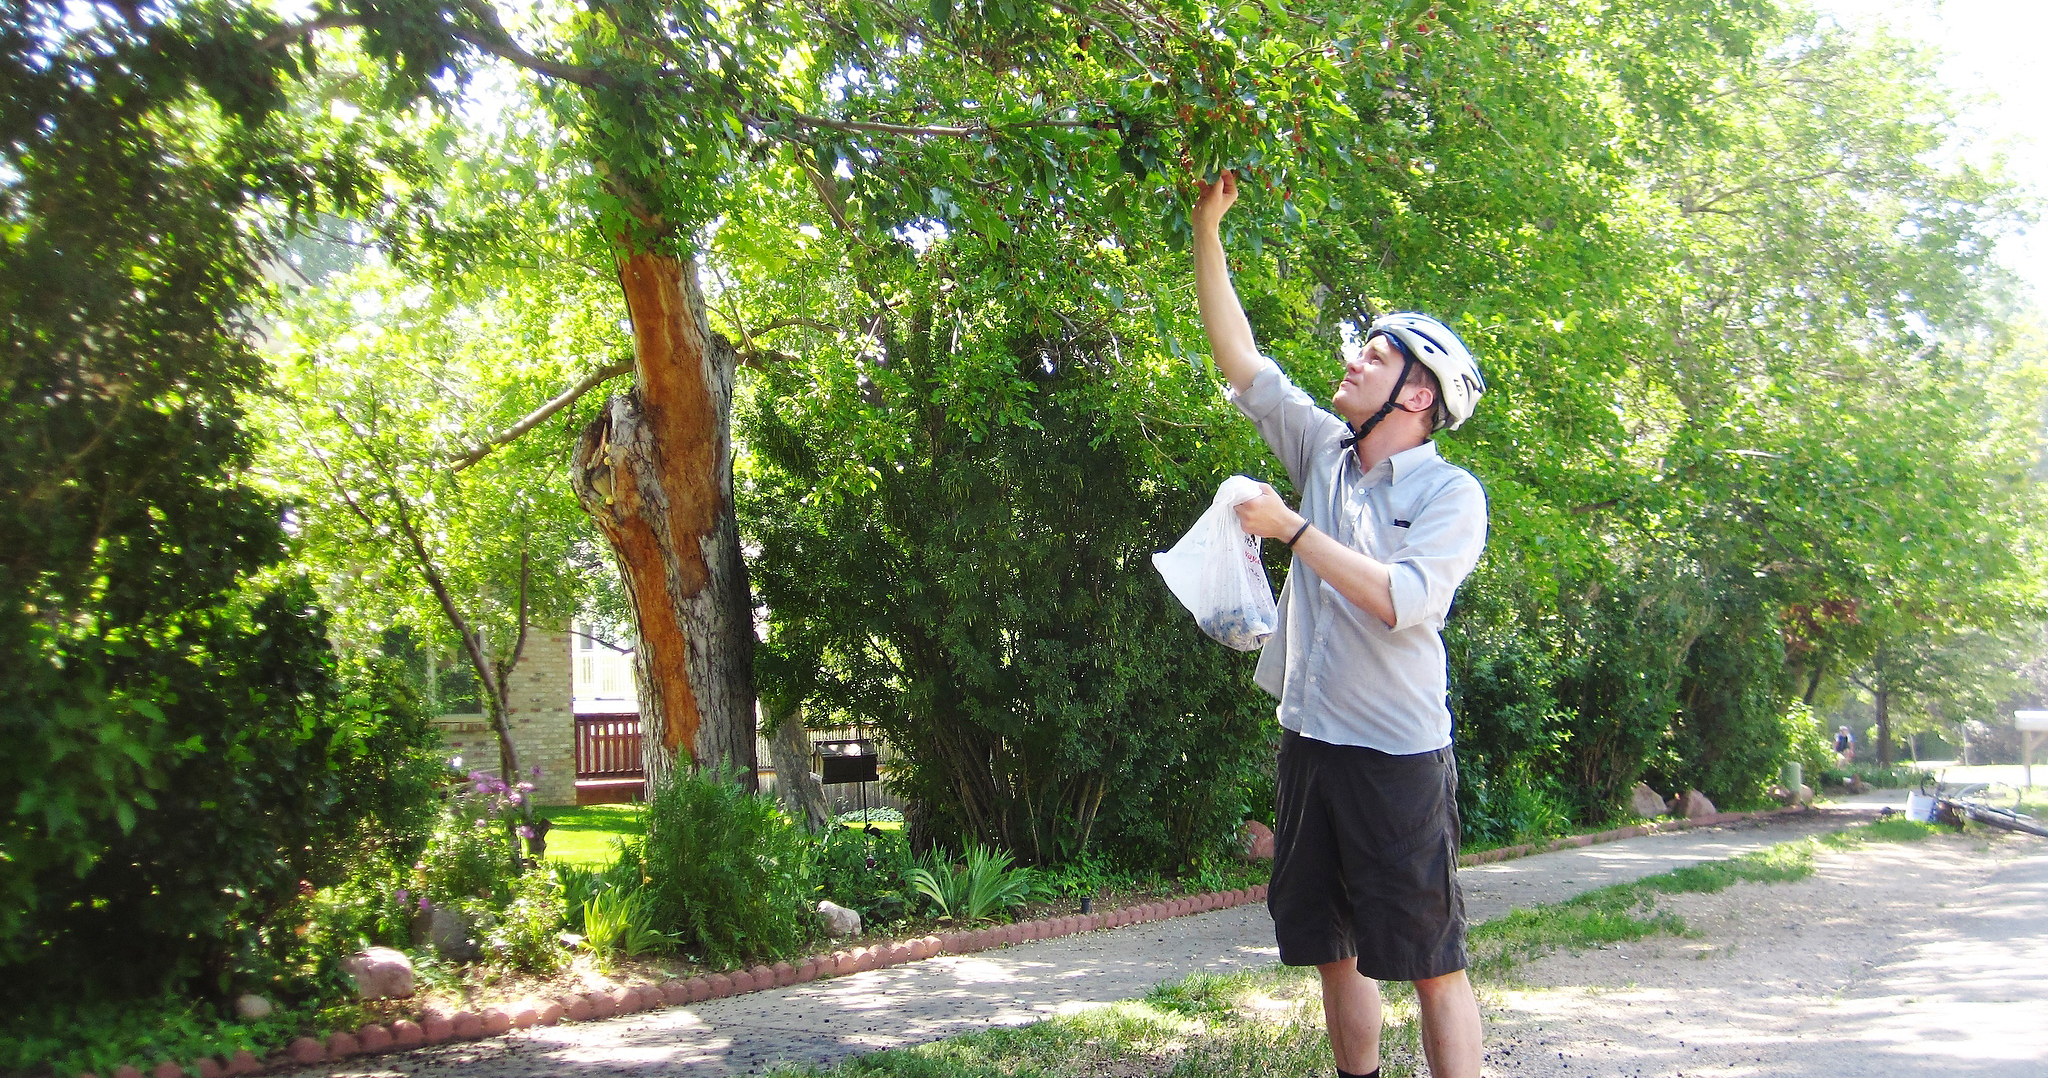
[[506, 49], [759, 358], [809, 323], [595, 639], [539, 415], [285, 35], [917, 131]]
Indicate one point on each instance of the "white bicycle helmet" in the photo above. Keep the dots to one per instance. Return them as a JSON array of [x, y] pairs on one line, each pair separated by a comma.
[[1427, 341]]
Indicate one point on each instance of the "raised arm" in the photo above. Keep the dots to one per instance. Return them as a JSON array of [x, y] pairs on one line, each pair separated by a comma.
[[1230, 335]]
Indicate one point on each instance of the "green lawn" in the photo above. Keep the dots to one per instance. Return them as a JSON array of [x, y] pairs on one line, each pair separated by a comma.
[[587, 835]]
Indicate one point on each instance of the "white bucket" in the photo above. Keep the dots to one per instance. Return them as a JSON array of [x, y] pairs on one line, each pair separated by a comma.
[[1919, 807]]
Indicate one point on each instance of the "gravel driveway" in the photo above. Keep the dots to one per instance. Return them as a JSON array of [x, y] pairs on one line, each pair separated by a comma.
[[1928, 958]]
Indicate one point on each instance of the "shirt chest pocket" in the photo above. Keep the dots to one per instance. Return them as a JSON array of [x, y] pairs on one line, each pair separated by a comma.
[[1377, 529]]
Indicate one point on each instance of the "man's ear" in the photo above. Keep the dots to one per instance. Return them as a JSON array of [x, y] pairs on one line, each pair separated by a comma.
[[1418, 397]]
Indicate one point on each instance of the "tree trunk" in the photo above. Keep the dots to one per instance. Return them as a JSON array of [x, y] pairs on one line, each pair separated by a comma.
[[1812, 683], [654, 469], [802, 793], [1884, 727]]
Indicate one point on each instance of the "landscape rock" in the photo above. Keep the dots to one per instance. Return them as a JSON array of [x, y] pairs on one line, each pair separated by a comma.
[[840, 922], [447, 931], [378, 973], [1805, 794], [1256, 840], [1692, 804], [1645, 802], [251, 1007]]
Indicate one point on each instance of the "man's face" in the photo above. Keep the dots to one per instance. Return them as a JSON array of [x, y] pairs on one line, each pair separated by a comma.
[[1370, 373]]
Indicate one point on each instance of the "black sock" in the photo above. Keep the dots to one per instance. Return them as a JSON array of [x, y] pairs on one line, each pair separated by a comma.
[[1342, 1073]]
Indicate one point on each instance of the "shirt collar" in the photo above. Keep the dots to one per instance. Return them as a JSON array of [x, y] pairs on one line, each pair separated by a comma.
[[1401, 465], [1409, 461]]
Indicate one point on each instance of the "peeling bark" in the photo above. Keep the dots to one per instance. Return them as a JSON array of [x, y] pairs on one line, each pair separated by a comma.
[[654, 469]]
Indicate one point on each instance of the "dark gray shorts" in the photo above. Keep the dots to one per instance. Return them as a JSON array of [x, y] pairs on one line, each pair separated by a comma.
[[1365, 859]]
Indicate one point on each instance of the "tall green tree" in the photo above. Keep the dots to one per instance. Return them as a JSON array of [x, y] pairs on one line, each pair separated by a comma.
[[384, 383], [883, 118], [185, 753]]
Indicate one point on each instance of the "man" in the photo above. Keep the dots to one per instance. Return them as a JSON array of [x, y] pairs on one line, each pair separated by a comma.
[[1364, 871]]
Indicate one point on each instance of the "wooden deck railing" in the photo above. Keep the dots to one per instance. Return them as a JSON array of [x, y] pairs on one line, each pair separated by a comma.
[[608, 747]]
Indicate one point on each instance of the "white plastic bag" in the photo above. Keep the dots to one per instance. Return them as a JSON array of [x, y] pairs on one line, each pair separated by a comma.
[[1215, 572]]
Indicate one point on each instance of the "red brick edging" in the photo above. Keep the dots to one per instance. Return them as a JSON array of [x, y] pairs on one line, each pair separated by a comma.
[[1509, 853], [466, 1026]]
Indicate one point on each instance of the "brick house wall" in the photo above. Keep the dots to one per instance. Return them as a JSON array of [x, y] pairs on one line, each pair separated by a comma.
[[541, 717]]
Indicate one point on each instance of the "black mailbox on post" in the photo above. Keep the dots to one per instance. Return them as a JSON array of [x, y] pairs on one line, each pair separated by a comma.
[[848, 761]]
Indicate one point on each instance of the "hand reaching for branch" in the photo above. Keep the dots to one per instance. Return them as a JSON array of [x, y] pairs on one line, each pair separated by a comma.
[[1215, 200]]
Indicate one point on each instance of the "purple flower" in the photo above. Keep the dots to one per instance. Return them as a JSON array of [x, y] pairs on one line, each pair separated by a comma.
[[536, 771], [404, 896], [424, 904], [525, 832]]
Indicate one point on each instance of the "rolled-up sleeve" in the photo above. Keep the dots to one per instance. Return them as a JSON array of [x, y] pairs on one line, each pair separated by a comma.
[[1293, 427], [1440, 548]]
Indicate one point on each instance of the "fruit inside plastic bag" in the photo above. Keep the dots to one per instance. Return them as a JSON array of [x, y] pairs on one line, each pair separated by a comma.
[[1216, 573]]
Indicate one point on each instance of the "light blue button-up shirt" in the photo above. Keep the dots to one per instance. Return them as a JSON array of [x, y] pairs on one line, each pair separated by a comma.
[[1341, 674]]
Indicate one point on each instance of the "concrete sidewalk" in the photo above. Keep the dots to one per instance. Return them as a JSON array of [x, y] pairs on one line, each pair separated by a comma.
[[823, 1022]]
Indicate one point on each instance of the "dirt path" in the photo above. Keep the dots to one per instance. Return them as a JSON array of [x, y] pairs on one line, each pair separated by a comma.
[[1928, 958]]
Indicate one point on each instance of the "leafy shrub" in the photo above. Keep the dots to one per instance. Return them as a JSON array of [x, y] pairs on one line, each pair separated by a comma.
[[982, 594], [265, 779], [1808, 744], [369, 908], [726, 871], [1730, 736], [473, 855], [978, 887], [526, 933], [1520, 806], [1084, 877], [864, 870], [98, 1036]]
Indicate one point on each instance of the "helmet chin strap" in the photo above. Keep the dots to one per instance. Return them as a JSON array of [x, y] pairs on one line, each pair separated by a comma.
[[1393, 399]]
